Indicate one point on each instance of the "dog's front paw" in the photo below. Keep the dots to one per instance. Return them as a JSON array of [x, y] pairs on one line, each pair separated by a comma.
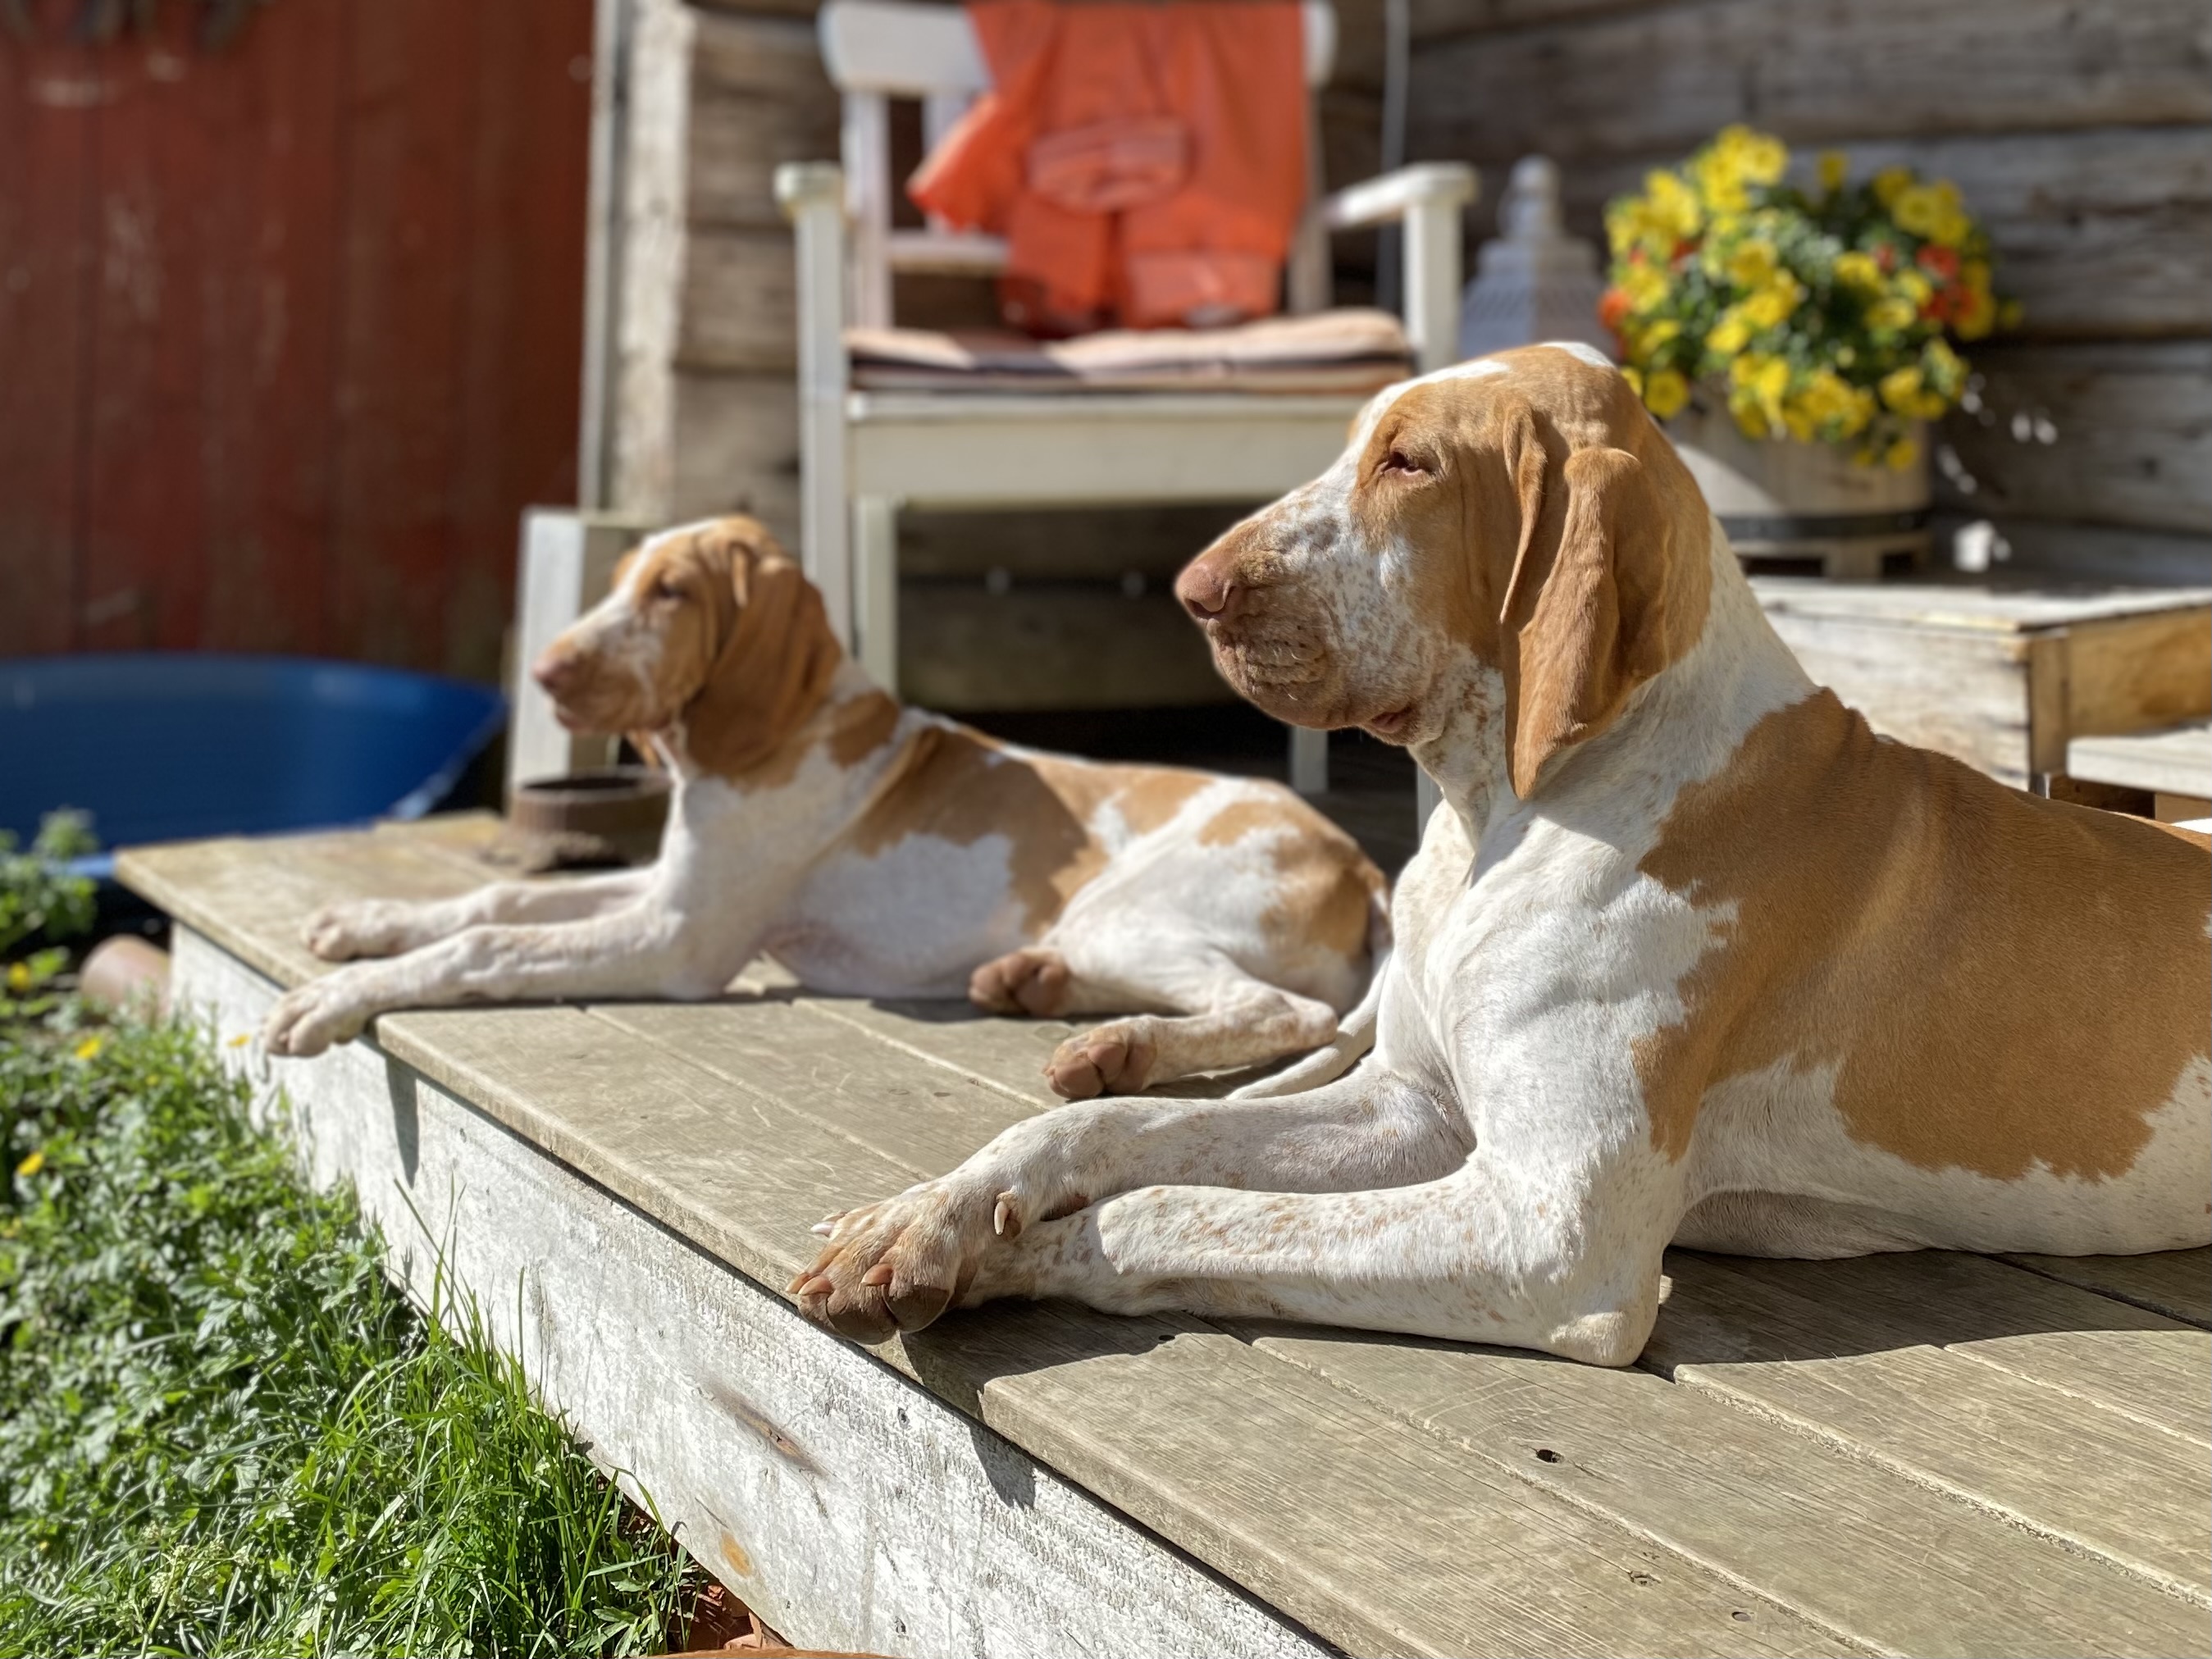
[[1107, 1059], [309, 1019], [360, 928], [897, 1264]]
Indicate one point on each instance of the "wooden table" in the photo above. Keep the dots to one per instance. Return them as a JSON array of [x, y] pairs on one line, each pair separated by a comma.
[[1908, 1454], [2001, 672]]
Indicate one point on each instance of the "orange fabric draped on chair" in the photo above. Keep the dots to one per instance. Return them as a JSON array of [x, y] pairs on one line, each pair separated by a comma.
[[1145, 163]]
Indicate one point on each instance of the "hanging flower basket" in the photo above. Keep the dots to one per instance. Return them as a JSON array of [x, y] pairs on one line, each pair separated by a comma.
[[1797, 342]]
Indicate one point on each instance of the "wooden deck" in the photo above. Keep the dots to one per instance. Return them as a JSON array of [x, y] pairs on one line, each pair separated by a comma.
[[1904, 1454]]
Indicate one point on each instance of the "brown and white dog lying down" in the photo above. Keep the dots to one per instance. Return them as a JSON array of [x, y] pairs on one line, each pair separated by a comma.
[[1688, 955], [880, 851]]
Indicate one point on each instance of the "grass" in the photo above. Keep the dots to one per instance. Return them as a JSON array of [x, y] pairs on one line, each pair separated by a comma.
[[222, 1431]]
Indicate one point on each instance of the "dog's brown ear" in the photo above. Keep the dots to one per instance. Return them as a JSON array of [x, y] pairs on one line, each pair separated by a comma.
[[774, 667], [1587, 617]]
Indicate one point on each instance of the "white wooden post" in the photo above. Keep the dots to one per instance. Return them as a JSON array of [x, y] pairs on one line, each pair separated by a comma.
[[567, 560], [1432, 267], [875, 572], [812, 197], [867, 146]]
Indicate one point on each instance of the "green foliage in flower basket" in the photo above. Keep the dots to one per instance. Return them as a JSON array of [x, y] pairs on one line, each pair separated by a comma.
[[1827, 314]]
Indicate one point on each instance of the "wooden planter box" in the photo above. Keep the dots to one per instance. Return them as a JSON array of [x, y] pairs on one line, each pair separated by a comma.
[[2001, 675]]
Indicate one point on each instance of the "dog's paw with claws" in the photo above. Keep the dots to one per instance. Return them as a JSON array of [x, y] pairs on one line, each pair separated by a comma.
[[307, 1020], [360, 927], [897, 1264], [1107, 1059]]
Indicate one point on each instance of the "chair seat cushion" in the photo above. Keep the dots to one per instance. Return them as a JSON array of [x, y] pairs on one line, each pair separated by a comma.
[[1350, 350]]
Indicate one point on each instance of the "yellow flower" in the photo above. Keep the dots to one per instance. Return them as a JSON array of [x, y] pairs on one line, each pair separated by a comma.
[[1858, 271], [19, 975], [1634, 376], [1889, 184], [240, 1041], [1834, 406], [1942, 364], [1834, 164], [1913, 287], [1905, 390], [1757, 384], [1674, 209], [1667, 392], [1752, 264], [31, 1166], [1773, 303], [1737, 157], [1933, 211], [1645, 287], [1900, 454], [89, 1048], [1891, 312], [1729, 336]]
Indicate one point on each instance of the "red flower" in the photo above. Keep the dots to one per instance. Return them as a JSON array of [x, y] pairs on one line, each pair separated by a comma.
[[1941, 263], [1613, 308]]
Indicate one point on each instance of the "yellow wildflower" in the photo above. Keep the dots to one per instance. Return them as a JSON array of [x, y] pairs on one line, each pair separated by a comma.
[[1901, 454], [1891, 312], [1773, 303], [1752, 264], [89, 1048], [31, 1166], [1757, 383], [1736, 158], [1674, 209], [1634, 376], [1858, 271], [1666, 393], [1889, 184], [1645, 287], [1834, 164], [1913, 287], [19, 975], [240, 1041], [1905, 390], [1729, 335]]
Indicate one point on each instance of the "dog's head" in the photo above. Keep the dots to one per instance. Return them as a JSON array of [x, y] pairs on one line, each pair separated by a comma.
[[712, 633], [1519, 515]]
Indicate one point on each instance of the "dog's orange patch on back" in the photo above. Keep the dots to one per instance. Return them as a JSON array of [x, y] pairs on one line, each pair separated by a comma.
[[2002, 982], [959, 786]]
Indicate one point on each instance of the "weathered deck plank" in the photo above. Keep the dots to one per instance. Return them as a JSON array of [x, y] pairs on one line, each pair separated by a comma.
[[2119, 1356], [2052, 1460], [1904, 1454], [2178, 1283], [1761, 1504]]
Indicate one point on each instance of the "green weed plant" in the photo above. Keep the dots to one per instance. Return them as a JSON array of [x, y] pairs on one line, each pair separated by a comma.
[[223, 1430]]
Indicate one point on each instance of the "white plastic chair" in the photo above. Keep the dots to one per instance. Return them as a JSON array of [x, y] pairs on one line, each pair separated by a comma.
[[864, 454]]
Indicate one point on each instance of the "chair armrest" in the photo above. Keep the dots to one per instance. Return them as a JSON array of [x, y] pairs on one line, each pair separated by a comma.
[[812, 197], [1395, 195]]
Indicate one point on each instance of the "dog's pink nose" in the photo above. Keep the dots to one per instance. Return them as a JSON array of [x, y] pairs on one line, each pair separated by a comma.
[[556, 671], [1209, 594]]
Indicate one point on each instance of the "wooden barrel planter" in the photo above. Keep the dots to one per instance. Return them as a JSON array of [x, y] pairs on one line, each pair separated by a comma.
[[1805, 508]]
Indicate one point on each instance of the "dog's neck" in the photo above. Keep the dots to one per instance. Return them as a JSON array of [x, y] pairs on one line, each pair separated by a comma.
[[1681, 725]]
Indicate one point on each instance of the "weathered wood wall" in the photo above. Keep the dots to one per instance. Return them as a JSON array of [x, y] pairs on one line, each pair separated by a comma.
[[2078, 131], [289, 333]]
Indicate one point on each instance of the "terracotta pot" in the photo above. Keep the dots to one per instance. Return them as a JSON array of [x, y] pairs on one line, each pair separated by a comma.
[[1785, 503]]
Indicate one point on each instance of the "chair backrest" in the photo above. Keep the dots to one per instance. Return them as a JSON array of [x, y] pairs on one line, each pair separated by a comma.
[[875, 51]]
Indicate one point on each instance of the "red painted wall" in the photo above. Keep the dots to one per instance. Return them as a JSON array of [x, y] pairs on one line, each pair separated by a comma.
[[289, 331]]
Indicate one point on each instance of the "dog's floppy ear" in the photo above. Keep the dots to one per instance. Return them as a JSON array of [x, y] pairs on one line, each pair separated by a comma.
[[1587, 617], [774, 667]]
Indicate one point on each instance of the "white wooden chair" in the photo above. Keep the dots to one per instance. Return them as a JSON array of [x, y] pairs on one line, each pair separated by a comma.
[[867, 454]]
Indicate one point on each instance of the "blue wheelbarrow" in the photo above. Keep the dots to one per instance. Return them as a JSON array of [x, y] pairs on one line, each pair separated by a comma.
[[173, 745]]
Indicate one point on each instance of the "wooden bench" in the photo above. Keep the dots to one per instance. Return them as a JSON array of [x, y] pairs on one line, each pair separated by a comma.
[[2002, 673], [2172, 766], [1916, 1453]]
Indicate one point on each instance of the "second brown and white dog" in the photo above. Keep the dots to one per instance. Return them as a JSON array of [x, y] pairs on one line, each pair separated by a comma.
[[881, 851], [1688, 954]]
